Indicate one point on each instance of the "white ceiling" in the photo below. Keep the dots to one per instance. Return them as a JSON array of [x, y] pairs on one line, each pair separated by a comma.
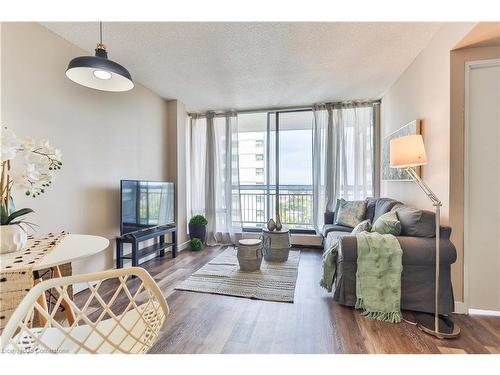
[[227, 65]]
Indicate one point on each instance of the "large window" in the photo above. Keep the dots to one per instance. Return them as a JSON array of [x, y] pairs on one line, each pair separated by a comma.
[[255, 180], [269, 168], [275, 154]]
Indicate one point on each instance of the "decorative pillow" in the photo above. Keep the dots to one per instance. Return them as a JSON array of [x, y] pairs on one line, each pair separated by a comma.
[[415, 222], [335, 212], [364, 226], [370, 208], [350, 213], [388, 223], [382, 206], [396, 207]]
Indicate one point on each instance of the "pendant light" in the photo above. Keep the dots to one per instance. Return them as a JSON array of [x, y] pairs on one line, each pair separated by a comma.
[[97, 72]]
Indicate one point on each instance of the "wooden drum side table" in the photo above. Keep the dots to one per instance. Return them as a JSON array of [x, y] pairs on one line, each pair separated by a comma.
[[249, 254], [276, 245]]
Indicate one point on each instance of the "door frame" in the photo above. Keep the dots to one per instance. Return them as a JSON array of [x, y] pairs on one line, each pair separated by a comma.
[[469, 66]]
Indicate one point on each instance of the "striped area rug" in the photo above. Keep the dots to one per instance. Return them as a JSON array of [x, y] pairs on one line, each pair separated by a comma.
[[274, 281]]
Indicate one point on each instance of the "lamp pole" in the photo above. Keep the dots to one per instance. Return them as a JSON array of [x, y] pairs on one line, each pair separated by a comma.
[[454, 331]]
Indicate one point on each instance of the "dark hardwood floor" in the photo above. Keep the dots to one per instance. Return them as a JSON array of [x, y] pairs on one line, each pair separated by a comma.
[[314, 323]]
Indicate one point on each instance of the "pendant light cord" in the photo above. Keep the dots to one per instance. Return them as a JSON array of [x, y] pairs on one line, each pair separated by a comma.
[[100, 32]]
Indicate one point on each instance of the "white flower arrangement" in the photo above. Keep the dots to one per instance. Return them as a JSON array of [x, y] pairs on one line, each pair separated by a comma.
[[26, 166]]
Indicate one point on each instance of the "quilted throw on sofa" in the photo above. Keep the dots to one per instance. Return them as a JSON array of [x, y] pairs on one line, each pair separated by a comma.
[[330, 265], [378, 276]]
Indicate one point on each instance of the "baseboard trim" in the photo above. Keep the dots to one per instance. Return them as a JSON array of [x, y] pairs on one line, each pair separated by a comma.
[[484, 312], [182, 246], [460, 308]]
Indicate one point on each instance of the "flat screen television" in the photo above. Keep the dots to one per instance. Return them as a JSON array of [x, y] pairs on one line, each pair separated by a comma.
[[146, 205]]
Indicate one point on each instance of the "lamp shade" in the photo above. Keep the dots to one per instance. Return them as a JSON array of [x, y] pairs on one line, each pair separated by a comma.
[[408, 151], [98, 72]]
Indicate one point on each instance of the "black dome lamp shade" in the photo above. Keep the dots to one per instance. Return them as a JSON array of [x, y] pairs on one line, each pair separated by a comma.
[[97, 72]]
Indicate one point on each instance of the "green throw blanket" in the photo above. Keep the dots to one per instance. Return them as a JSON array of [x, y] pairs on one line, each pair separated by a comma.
[[378, 276], [330, 265]]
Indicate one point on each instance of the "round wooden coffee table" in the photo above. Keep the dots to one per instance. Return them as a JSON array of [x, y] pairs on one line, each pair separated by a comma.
[[276, 244]]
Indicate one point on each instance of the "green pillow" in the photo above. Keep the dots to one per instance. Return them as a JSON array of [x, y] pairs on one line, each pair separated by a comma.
[[388, 223], [364, 226]]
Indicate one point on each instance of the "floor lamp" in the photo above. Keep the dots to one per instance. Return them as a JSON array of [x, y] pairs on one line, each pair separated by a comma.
[[409, 152]]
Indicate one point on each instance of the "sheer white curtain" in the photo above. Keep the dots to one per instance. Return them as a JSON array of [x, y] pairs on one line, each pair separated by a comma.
[[323, 194], [343, 156], [215, 175], [226, 182], [197, 158], [210, 179], [357, 164]]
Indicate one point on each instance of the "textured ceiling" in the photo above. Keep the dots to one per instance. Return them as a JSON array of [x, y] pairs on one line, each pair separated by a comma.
[[249, 65]]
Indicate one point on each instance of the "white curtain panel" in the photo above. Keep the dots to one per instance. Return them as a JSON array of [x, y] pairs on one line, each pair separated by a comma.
[[198, 146], [215, 176], [343, 156], [227, 182], [210, 178], [322, 145], [357, 164]]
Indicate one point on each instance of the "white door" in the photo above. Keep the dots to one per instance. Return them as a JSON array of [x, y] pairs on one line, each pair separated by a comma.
[[482, 190]]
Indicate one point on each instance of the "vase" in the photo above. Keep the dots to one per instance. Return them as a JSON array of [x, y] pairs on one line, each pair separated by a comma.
[[198, 231], [271, 225], [13, 238], [278, 223]]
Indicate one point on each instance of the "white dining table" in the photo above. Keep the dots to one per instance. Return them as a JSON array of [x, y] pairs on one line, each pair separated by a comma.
[[73, 247]]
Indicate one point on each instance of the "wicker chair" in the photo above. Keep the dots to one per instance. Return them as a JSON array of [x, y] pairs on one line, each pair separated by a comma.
[[125, 319]]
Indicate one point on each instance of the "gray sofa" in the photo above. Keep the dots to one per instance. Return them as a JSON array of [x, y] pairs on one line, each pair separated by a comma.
[[417, 241]]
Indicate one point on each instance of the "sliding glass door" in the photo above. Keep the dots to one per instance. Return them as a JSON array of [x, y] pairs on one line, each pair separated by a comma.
[[295, 168], [257, 140], [275, 155]]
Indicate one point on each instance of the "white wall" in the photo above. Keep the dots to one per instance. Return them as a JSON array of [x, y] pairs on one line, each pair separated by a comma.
[[104, 137], [177, 167], [423, 92]]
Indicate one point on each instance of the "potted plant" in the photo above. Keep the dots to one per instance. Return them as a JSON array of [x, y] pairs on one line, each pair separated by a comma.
[[29, 167], [195, 244], [198, 227]]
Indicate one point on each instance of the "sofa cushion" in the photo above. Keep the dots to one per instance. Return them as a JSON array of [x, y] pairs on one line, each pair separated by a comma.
[[327, 228], [370, 208], [350, 213], [397, 206], [388, 223], [416, 223], [382, 206], [445, 231], [331, 217]]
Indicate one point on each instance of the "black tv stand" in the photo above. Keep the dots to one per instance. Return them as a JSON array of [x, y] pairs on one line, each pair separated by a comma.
[[136, 238]]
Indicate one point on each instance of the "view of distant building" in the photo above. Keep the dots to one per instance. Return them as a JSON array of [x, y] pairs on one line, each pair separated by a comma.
[[251, 158]]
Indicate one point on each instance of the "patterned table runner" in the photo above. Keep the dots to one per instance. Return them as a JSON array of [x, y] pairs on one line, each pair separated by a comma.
[[16, 271]]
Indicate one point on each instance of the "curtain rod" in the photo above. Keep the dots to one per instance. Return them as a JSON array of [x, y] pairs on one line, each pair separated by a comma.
[[283, 109]]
